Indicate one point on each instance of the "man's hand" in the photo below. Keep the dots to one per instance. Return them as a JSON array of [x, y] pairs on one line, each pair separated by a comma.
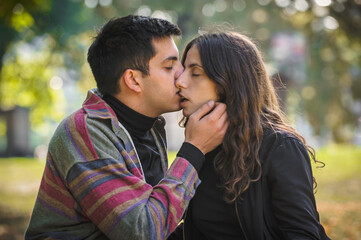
[[206, 128]]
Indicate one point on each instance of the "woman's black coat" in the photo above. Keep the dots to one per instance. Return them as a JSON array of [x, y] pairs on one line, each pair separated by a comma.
[[281, 205]]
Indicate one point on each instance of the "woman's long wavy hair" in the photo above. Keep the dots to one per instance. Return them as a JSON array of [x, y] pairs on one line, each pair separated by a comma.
[[234, 63]]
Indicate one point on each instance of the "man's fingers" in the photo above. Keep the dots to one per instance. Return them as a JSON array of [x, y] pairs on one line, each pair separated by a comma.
[[223, 123], [218, 111], [223, 118], [203, 110]]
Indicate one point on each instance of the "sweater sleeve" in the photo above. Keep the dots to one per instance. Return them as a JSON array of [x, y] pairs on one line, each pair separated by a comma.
[[192, 154], [107, 184], [291, 181]]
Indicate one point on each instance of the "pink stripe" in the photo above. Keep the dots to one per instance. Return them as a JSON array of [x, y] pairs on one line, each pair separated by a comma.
[[54, 193], [80, 124], [55, 179], [166, 196], [115, 200], [92, 100], [108, 206], [101, 190], [180, 167]]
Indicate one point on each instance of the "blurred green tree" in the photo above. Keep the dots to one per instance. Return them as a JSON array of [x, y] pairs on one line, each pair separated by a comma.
[[332, 92], [36, 42], [61, 28]]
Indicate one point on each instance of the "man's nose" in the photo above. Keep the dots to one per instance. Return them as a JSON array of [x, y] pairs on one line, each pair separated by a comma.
[[179, 72]]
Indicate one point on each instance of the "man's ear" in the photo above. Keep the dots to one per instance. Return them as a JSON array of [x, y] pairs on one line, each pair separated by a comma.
[[132, 79]]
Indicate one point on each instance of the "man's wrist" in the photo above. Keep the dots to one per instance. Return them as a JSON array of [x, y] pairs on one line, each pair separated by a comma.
[[192, 154]]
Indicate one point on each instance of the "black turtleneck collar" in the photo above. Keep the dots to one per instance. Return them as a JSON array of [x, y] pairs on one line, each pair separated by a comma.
[[136, 123]]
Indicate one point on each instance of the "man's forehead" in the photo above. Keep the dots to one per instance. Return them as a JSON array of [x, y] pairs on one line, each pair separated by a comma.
[[165, 49]]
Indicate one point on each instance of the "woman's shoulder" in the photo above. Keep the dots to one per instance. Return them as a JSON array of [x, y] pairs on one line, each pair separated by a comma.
[[274, 139], [278, 136]]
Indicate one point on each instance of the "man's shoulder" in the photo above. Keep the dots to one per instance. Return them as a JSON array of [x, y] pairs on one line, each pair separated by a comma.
[[73, 122]]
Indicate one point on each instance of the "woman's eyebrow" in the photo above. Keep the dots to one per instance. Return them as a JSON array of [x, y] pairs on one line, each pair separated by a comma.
[[195, 65]]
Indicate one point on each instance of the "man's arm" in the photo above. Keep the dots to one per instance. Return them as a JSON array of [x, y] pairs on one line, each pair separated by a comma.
[[111, 191], [92, 179]]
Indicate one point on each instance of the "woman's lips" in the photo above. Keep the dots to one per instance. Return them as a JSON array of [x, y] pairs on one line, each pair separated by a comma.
[[183, 101]]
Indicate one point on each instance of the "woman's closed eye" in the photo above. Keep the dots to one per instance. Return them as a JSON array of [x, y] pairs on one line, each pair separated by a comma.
[[196, 72]]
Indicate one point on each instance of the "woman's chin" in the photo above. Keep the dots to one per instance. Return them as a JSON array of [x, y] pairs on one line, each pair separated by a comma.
[[186, 112]]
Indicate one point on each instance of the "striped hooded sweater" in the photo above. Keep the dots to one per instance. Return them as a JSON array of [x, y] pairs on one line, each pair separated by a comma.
[[93, 185]]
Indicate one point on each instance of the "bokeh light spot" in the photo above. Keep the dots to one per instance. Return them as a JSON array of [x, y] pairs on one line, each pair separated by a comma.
[[282, 3], [220, 5], [323, 3], [263, 2], [208, 10], [308, 93], [239, 5], [91, 3], [259, 16], [56, 83], [105, 3], [301, 5], [144, 10], [330, 23], [18, 9]]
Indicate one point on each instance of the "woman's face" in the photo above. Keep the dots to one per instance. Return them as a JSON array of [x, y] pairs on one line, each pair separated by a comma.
[[195, 86]]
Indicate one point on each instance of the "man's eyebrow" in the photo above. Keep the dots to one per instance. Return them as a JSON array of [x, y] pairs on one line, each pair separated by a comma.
[[171, 58]]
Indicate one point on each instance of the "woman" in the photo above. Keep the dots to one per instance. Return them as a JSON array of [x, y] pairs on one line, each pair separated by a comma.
[[258, 184]]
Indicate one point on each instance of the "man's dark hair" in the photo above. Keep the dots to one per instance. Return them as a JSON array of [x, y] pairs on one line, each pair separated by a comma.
[[125, 43]]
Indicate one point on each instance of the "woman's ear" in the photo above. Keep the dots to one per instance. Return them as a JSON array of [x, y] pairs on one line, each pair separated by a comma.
[[132, 79]]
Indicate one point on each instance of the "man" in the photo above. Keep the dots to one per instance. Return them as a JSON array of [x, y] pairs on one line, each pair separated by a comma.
[[106, 173]]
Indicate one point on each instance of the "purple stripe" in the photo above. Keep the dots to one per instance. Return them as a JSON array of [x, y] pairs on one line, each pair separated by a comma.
[[93, 174], [121, 158], [133, 156], [99, 114], [180, 189], [172, 181], [100, 111], [187, 197], [159, 218], [54, 209], [50, 164], [125, 213], [126, 156], [72, 140], [192, 179]]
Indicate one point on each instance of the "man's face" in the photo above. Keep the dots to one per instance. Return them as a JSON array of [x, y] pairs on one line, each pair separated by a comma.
[[159, 92]]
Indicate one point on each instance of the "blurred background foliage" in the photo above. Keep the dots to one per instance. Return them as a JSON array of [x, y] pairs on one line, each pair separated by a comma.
[[312, 49], [44, 43]]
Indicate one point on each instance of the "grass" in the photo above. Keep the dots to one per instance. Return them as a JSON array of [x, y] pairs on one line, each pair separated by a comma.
[[338, 193], [19, 183], [340, 179]]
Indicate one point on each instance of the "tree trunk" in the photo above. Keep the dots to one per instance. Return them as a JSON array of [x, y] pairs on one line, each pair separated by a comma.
[[7, 37]]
